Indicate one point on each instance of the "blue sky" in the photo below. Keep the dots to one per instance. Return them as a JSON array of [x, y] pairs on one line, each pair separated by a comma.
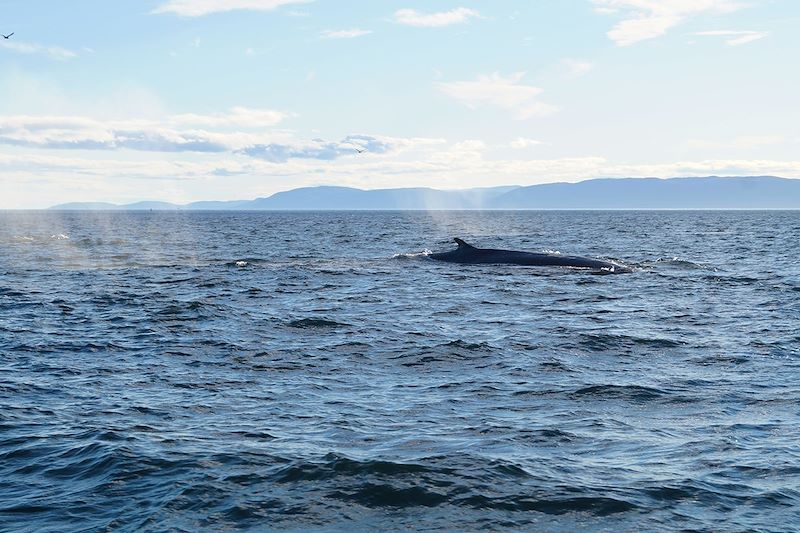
[[185, 100]]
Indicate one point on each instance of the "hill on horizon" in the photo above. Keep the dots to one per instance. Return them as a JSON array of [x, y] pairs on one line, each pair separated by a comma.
[[749, 192]]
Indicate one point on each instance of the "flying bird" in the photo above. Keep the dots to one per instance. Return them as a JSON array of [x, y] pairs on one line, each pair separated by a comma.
[[7, 36], [357, 147]]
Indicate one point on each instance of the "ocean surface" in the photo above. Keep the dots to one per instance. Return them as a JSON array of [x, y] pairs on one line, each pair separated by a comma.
[[317, 372]]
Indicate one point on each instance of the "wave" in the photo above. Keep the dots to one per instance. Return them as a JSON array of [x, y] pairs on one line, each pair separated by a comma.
[[459, 344], [609, 341], [334, 466], [733, 280], [245, 261], [386, 495], [316, 323], [115, 485], [632, 393], [680, 264], [449, 352], [596, 505], [439, 481], [413, 255], [192, 310]]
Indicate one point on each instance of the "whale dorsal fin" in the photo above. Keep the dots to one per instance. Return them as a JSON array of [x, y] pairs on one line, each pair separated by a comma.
[[462, 244]]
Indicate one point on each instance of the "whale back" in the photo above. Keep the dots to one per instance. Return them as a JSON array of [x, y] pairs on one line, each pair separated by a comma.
[[466, 253]]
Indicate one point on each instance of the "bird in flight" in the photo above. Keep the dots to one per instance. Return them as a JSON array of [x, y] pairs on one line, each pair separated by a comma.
[[7, 36], [357, 147]]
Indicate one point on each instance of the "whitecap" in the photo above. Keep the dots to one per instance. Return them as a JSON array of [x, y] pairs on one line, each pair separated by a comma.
[[413, 255]]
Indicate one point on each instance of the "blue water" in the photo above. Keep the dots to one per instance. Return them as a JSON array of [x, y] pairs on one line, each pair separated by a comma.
[[316, 371]]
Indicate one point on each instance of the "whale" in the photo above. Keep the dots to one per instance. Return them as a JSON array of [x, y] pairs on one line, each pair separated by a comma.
[[468, 254]]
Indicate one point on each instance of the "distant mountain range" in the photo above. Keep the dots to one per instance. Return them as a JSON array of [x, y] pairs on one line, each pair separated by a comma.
[[751, 192]]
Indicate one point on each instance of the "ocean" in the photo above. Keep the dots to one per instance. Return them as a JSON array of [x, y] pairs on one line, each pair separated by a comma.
[[316, 371]]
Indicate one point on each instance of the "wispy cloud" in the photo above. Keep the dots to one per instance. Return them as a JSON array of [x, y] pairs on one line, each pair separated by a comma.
[[707, 167], [521, 142], [344, 34], [197, 8], [577, 67], [239, 132], [412, 17], [495, 90], [242, 117], [175, 133], [742, 142], [54, 52], [735, 37], [141, 139], [318, 149], [647, 19]]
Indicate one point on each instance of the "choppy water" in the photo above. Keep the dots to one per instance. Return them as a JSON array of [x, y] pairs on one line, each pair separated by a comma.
[[296, 371]]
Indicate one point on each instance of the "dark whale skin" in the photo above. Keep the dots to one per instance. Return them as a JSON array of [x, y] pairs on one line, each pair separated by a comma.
[[468, 254]]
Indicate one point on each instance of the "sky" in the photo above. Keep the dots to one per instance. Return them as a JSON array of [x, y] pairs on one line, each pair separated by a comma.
[[186, 100]]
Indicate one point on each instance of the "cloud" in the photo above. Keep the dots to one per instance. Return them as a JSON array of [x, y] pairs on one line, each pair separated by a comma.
[[708, 167], [197, 8], [318, 149], [35, 166], [498, 91], [54, 52], [470, 145], [175, 133], [577, 67], [181, 134], [243, 117], [647, 19], [424, 166], [735, 38], [743, 142], [344, 34], [225, 173], [521, 142], [141, 140], [412, 17]]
